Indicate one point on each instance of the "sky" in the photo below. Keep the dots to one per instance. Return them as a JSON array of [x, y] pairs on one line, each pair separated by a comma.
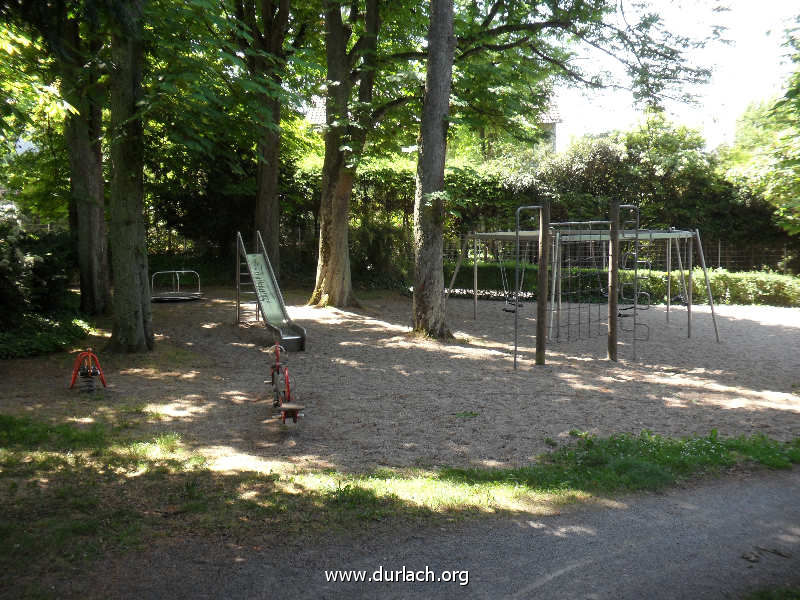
[[753, 68]]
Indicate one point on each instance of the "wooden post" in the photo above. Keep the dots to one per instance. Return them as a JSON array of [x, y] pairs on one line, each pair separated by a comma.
[[613, 278], [541, 282]]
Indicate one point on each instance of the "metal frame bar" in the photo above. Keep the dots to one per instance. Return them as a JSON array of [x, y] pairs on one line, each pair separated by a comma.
[[475, 277], [556, 260], [689, 249], [516, 283], [669, 276], [176, 281], [708, 282]]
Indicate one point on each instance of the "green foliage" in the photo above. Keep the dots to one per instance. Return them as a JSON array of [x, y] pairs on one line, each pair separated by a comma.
[[50, 260], [25, 85], [12, 267], [34, 334], [34, 271], [663, 169], [764, 158]]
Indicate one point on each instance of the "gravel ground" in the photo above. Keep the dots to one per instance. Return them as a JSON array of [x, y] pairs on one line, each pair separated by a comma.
[[377, 396]]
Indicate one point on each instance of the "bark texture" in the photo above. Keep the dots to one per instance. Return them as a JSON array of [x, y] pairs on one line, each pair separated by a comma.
[[82, 133], [345, 135], [133, 327], [268, 208], [86, 188], [429, 306], [268, 22]]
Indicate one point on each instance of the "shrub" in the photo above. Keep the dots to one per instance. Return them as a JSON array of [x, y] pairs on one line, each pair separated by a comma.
[[36, 334], [754, 287], [12, 267], [34, 271]]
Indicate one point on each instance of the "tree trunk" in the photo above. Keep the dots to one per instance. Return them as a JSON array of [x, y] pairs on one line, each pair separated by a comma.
[[343, 145], [429, 307], [333, 283], [81, 133], [133, 327], [268, 211], [267, 37]]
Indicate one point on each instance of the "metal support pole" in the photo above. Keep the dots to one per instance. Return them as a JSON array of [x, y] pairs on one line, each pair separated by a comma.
[[238, 278], [669, 276], [689, 248], [475, 278], [462, 252], [708, 283], [541, 283], [613, 279], [516, 285], [554, 275], [635, 209], [680, 268]]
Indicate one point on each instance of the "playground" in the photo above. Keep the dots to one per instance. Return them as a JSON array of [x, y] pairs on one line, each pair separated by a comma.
[[376, 395]]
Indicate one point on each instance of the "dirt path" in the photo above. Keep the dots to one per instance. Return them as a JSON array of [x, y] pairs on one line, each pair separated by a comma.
[[377, 396], [719, 540]]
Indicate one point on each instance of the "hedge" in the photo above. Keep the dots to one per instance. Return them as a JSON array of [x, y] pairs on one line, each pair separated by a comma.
[[754, 287]]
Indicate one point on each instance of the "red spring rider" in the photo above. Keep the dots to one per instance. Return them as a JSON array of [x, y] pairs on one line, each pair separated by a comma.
[[87, 366], [282, 388]]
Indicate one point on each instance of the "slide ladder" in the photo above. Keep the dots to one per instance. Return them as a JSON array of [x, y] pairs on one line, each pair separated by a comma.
[[255, 277]]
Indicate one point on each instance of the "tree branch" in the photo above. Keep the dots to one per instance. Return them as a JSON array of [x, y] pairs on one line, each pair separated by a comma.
[[514, 28], [384, 108], [568, 71], [492, 14], [494, 47]]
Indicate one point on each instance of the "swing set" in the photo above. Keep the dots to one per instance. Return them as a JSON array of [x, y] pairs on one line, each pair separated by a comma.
[[583, 266]]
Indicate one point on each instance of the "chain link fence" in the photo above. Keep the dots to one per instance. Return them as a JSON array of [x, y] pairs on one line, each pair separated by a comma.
[[719, 254]]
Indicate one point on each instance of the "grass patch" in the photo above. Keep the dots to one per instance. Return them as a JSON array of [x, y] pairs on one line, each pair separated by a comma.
[[70, 493], [626, 462], [781, 593], [467, 414], [37, 334], [25, 433]]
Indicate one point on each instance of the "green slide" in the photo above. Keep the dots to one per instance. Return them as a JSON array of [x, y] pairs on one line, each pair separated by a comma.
[[270, 300]]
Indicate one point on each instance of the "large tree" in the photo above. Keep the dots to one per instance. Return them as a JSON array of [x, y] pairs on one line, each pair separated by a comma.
[[133, 327], [765, 155], [428, 308], [73, 34], [506, 54], [272, 31], [349, 65]]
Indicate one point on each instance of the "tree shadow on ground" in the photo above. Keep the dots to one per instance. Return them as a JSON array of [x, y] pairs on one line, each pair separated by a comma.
[[376, 395]]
